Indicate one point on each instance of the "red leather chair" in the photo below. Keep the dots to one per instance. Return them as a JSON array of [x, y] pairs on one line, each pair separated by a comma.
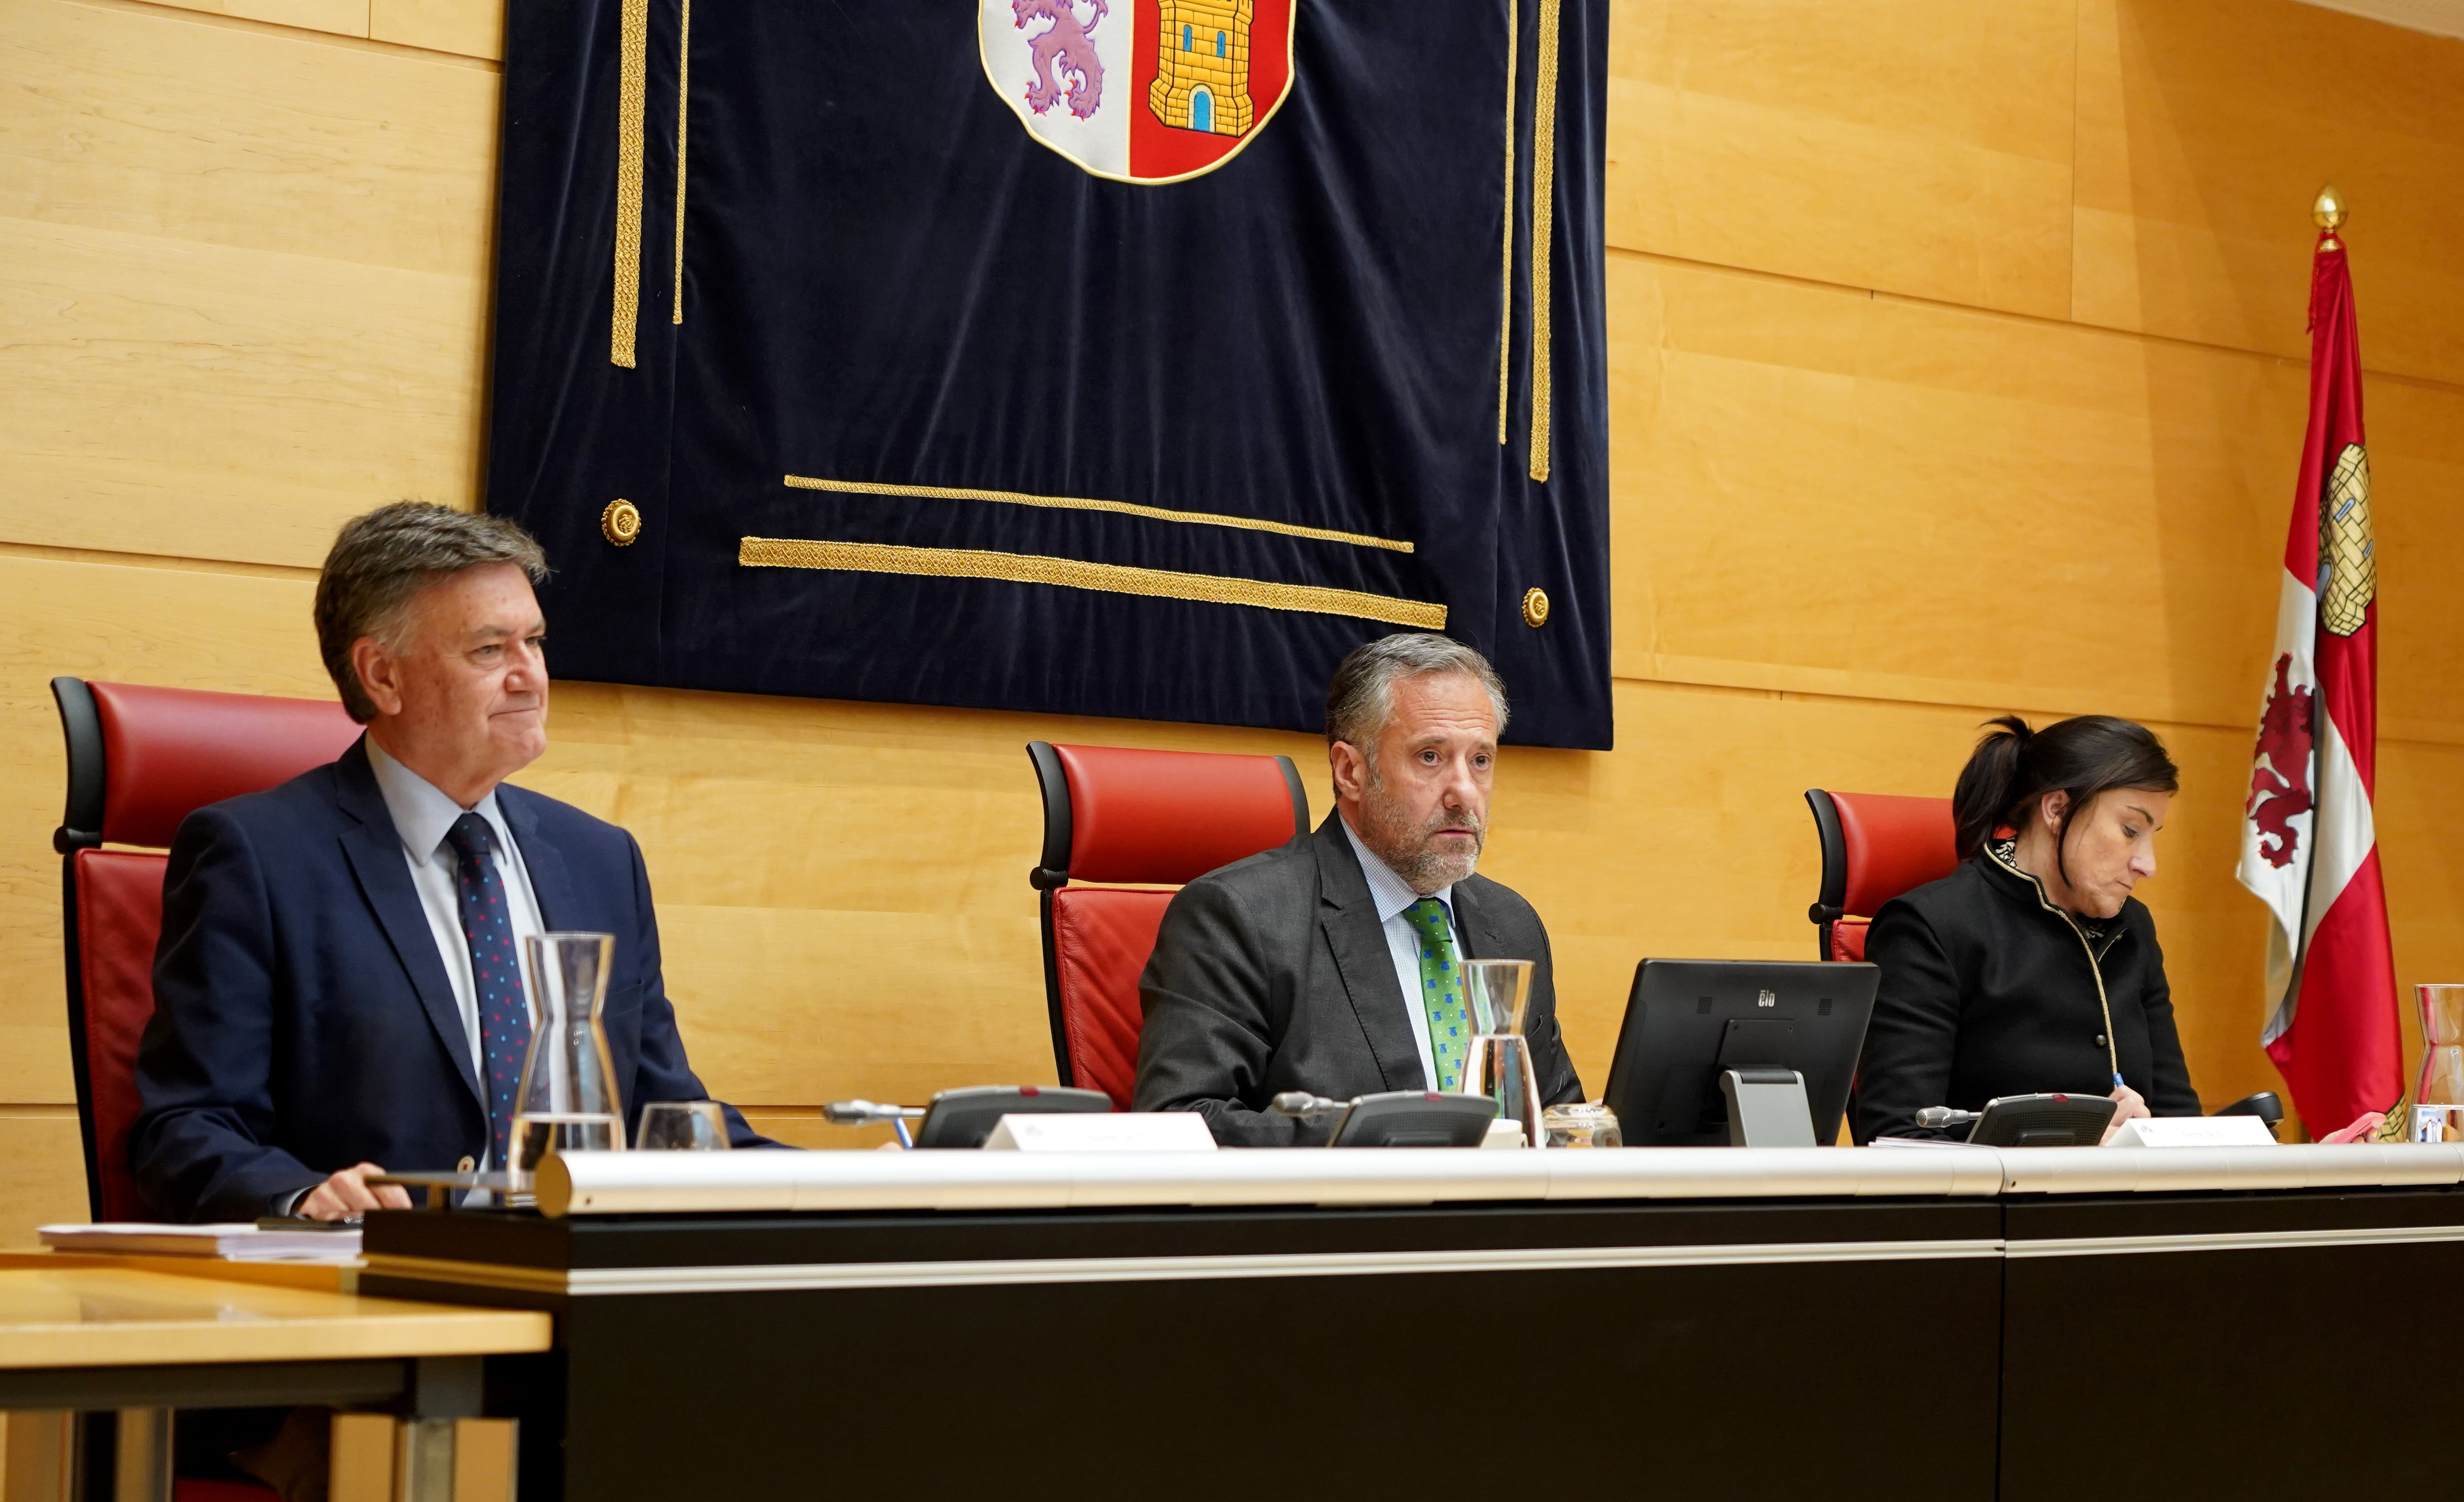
[[140, 758], [1135, 820], [1875, 846]]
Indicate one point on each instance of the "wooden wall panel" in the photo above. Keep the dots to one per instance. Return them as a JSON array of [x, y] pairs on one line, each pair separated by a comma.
[[280, 243], [2205, 129], [1912, 422], [2416, 431], [336, 17], [44, 1180], [1929, 141], [2423, 867], [472, 27], [2070, 516], [282, 394], [148, 123]]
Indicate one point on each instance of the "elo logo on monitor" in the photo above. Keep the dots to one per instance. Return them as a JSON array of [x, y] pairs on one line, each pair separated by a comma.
[[1765, 999]]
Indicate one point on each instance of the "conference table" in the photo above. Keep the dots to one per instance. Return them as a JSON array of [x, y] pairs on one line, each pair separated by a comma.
[[1943, 1322], [126, 1341]]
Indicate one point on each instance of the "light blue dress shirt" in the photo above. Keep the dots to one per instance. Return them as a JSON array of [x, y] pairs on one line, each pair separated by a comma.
[[421, 816], [1391, 895]]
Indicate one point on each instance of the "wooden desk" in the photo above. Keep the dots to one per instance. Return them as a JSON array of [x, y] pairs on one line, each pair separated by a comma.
[[332, 1277], [87, 1335], [80, 1319]]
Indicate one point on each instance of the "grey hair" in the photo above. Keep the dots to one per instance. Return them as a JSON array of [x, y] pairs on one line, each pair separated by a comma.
[[381, 559], [1362, 694]]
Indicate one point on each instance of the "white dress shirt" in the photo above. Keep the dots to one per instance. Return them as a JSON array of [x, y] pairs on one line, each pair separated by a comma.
[[421, 816], [1392, 895]]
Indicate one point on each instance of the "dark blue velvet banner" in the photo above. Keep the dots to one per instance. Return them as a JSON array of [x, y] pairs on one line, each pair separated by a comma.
[[1109, 356]]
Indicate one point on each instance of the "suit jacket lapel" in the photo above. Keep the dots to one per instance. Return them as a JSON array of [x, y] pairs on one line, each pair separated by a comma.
[[550, 882], [1349, 916], [1471, 919], [374, 849]]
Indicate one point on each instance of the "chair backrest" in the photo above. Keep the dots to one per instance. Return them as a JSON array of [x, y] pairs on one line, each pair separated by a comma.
[[1136, 819], [140, 759], [1875, 846]]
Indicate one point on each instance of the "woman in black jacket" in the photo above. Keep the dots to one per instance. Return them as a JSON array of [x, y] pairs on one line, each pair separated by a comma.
[[2031, 967]]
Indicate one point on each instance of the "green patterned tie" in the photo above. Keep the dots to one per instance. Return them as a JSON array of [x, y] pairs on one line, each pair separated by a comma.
[[1441, 991]]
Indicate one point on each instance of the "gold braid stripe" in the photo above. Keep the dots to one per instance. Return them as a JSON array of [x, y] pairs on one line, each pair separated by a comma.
[[1505, 280], [1075, 503], [631, 66], [1544, 192], [952, 562], [684, 94]]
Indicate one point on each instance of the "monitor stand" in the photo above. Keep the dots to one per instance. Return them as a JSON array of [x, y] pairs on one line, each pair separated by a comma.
[[1767, 1108]]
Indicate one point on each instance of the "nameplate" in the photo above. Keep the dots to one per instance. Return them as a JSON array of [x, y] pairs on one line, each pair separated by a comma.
[[2193, 1132], [1107, 1132]]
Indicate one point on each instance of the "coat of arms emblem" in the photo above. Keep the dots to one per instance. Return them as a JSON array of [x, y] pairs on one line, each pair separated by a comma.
[[1144, 91]]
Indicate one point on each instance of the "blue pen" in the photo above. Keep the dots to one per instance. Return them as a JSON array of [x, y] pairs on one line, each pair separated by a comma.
[[2117, 1081]]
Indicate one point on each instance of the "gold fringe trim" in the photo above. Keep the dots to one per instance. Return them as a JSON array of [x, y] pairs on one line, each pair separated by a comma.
[[632, 66], [1544, 193], [683, 97], [1070, 573], [1076, 504], [1505, 277]]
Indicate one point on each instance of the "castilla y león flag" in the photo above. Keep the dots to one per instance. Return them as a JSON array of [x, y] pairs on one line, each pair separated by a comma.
[[2309, 848]]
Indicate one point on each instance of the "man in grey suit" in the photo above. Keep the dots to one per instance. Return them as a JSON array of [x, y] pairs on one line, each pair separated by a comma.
[[1329, 965]]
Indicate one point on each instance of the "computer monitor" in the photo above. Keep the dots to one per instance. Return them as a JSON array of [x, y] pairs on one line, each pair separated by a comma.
[[1688, 1019]]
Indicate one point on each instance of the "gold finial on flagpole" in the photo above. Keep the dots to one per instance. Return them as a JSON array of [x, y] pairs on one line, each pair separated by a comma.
[[2327, 212]]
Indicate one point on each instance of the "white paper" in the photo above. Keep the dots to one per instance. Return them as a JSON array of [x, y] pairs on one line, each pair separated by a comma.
[[236, 1241], [2193, 1132], [1103, 1132]]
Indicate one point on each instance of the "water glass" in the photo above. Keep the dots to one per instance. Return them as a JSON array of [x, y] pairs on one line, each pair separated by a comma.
[[682, 1126], [1497, 993], [2438, 1095], [568, 1102]]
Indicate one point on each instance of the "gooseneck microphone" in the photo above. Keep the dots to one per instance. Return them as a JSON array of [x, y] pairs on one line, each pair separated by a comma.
[[864, 1112], [1947, 1117], [1306, 1107]]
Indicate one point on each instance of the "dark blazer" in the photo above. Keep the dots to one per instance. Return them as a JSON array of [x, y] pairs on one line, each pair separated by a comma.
[[1988, 989], [302, 1017], [1273, 974]]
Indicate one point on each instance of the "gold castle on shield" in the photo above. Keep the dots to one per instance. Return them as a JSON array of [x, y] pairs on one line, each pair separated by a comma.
[[1203, 82]]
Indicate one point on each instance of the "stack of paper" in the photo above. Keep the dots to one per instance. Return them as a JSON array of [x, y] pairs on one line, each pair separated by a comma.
[[235, 1240]]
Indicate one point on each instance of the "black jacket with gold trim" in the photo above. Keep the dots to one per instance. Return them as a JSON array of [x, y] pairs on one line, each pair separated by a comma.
[[1989, 989]]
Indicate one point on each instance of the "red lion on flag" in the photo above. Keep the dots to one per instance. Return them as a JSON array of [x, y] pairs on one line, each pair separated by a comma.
[[2280, 784], [1062, 54]]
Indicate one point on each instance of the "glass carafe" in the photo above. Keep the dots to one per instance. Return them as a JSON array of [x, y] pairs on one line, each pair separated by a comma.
[[2438, 1096], [1497, 992], [568, 1102]]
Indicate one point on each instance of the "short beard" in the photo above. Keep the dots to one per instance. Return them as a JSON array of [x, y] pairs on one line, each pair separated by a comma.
[[1405, 848]]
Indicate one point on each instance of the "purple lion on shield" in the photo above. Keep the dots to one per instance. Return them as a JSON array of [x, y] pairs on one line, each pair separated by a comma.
[[1065, 54]]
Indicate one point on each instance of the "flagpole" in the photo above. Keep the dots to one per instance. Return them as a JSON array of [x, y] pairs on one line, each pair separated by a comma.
[[2309, 833], [2327, 212]]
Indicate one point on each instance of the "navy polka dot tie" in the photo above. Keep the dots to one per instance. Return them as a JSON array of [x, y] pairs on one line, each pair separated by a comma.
[[504, 1009]]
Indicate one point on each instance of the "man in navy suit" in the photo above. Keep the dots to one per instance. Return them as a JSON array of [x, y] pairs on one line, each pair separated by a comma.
[[339, 984]]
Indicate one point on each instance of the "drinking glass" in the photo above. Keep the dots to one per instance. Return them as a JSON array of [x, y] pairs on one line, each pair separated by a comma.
[[568, 1102], [682, 1126], [1496, 993], [2438, 1096], [1582, 1124]]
